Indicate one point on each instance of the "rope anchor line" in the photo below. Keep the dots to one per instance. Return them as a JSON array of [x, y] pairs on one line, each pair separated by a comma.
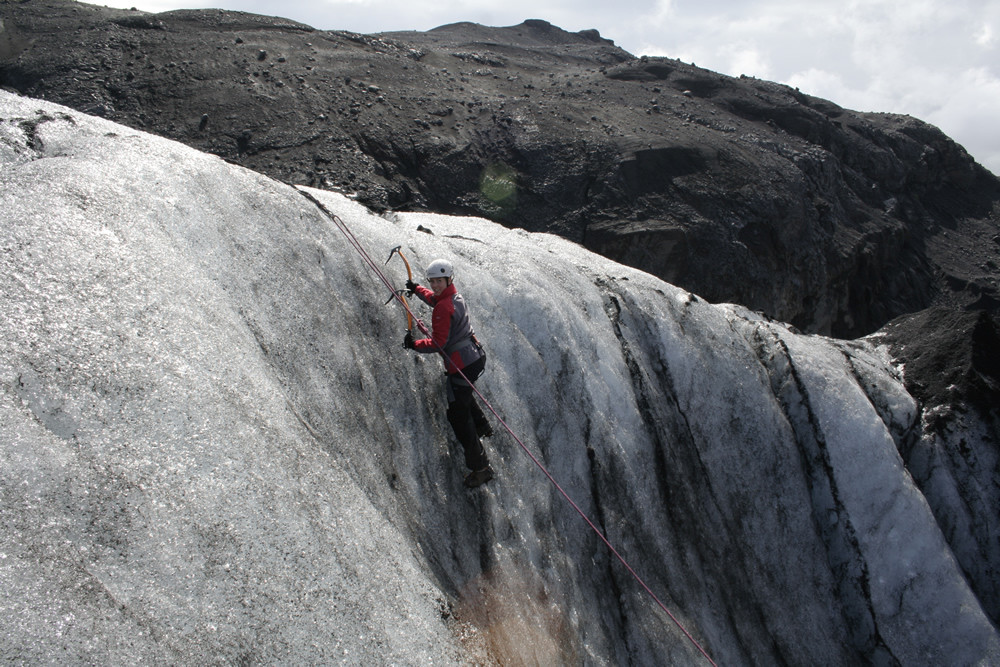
[[357, 245]]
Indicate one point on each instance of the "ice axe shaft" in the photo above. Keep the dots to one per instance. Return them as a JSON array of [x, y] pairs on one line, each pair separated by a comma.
[[402, 293]]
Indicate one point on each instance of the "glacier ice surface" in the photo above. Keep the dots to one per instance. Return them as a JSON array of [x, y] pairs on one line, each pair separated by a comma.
[[213, 447]]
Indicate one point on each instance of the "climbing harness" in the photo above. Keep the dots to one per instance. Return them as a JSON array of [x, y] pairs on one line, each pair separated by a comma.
[[356, 244]]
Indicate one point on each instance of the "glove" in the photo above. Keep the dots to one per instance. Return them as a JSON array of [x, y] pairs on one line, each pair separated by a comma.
[[408, 342], [411, 287]]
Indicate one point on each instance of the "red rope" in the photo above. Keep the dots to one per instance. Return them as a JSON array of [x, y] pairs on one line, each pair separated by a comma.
[[356, 244]]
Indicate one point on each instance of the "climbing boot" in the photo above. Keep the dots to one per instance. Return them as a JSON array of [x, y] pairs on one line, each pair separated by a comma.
[[477, 477]]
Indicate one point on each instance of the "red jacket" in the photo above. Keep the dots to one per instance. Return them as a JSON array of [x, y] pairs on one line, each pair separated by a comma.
[[451, 329]]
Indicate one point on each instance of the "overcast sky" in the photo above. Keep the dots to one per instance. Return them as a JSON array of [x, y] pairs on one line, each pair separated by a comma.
[[938, 60]]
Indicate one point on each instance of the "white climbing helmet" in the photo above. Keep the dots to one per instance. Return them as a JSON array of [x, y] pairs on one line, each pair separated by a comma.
[[440, 268]]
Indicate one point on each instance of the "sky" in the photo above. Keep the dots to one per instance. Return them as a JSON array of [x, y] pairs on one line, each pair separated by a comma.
[[936, 60]]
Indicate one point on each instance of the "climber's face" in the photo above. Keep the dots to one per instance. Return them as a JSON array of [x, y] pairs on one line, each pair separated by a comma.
[[438, 285]]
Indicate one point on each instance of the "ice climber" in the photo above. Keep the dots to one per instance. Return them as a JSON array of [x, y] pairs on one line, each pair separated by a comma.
[[451, 331]]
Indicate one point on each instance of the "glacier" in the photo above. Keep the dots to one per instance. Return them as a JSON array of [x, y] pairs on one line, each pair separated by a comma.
[[214, 449]]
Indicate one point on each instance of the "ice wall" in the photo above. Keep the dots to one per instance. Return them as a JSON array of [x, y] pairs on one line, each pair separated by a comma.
[[213, 447]]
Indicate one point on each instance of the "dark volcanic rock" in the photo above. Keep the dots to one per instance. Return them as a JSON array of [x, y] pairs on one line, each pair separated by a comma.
[[737, 189], [952, 360]]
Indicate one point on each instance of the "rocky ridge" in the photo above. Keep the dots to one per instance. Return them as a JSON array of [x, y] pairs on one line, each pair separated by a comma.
[[738, 189]]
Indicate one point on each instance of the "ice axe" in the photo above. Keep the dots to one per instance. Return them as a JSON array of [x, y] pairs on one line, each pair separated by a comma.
[[402, 292]]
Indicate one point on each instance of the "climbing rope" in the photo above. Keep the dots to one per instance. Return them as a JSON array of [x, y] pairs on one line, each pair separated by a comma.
[[359, 247]]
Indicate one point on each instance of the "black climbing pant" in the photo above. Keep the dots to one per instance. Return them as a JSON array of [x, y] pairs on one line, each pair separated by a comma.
[[465, 415]]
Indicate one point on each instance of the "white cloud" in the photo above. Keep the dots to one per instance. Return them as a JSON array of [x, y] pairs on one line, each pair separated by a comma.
[[963, 104], [985, 36], [936, 60], [968, 112]]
